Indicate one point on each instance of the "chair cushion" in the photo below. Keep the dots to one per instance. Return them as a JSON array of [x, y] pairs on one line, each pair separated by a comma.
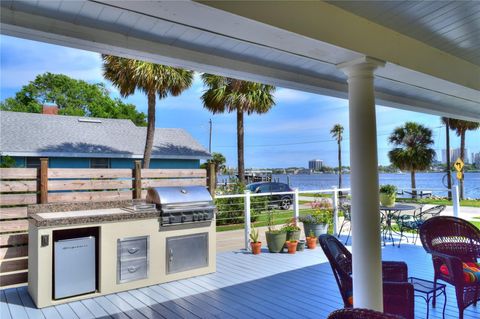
[[471, 271], [350, 297]]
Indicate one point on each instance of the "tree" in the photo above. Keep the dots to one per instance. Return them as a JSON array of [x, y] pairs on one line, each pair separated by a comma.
[[461, 127], [152, 79], [7, 161], [413, 150], [73, 97], [337, 132], [231, 95]]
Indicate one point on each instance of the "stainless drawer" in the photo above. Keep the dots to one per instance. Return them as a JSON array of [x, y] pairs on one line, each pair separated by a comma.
[[132, 248], [134, 269]]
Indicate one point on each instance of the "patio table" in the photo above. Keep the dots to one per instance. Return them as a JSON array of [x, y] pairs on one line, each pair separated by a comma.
[[426, 289], [389, 213]]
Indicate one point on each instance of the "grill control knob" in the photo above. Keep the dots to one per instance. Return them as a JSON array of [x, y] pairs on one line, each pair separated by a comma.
[[195, 217], [184, 218], [205, 216], [171, 219]]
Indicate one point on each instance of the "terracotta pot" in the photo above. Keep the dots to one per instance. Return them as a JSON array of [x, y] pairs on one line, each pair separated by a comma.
[[292, 246], [312, 242], [256, 248]]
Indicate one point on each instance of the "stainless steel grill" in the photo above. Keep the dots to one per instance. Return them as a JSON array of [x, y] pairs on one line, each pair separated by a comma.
[[180, 205]]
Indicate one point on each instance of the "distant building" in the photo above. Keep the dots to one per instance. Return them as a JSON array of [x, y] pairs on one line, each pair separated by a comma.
[[315, 165], [476, 159], [454, 154], [85, 142]]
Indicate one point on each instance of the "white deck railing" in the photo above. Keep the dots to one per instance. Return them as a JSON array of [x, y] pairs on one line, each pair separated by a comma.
[[247, 204]]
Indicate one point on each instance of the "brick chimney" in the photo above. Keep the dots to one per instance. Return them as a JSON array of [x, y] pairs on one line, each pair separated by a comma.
[[50, 109]]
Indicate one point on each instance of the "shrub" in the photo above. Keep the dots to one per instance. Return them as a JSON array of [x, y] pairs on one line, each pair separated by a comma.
[[231, 210], [388, 189]]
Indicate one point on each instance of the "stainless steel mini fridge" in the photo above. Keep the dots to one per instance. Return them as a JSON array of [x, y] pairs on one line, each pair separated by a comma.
[[74, 267]]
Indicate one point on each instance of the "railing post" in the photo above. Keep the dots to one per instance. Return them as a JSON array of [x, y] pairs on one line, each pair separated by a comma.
[[456, 200], [137, 180], [335, 211], [43, 181], [247, 219], [211, 179], [296, 206]]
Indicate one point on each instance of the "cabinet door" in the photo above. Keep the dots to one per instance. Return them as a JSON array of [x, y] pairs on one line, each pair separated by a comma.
[[187, 252]]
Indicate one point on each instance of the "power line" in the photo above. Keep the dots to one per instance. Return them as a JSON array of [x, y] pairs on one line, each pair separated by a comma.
[[297, 143]]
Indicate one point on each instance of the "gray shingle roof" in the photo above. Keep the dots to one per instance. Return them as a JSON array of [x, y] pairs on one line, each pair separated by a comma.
[[32, 134]]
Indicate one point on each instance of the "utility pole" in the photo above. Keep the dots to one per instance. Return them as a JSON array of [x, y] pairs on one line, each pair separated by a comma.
[[447, 138], [210, 139]]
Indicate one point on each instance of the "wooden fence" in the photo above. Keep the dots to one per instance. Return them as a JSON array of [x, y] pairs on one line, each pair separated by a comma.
[[20, 187]]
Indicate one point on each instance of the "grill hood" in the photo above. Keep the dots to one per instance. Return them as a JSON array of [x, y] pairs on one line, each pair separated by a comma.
[[179, 197]]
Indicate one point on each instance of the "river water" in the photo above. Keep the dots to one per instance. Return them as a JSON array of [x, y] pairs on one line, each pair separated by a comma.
[[424, 181]]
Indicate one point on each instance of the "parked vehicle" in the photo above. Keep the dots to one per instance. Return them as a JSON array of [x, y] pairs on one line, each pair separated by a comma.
[[282, 201]]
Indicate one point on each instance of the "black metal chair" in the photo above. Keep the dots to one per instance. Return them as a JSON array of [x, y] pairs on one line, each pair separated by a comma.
[[415, 221], [347, 219], [398, 293]]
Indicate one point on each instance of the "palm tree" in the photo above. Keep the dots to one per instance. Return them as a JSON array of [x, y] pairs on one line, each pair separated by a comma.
[[231, 95], [461, 127], [412, 150], [152, 79], [337, 132]]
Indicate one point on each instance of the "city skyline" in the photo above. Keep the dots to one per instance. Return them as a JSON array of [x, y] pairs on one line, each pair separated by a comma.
[[296, 130]]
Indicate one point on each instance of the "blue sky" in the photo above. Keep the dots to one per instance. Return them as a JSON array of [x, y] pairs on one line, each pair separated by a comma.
[[293, 132]]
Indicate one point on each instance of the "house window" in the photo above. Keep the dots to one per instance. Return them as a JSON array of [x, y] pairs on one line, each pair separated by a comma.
[[32, 162], [99, 163]]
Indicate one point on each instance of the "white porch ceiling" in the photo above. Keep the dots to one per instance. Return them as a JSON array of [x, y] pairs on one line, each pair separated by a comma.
[[207, 39]]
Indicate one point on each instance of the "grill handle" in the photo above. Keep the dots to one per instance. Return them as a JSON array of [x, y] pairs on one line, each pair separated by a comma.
[[170, 257]]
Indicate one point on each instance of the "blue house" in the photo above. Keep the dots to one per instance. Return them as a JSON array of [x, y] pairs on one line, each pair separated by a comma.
[[85, 142]]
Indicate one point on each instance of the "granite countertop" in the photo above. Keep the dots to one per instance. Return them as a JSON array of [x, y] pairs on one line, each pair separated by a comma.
[[65, 214]]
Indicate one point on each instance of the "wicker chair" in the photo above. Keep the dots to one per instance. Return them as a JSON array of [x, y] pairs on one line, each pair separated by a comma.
[[453, 241], [398, 294], [413, 222], [358, 313], [347, 219]]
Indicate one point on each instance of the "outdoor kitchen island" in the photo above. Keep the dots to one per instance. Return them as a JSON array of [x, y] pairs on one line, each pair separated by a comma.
[[82, 250]]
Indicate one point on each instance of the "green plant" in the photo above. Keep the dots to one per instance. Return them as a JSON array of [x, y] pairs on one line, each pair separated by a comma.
[[388, 189], [320, 216], [231, 210], [254, 234], [293, 241], [311, 234], [291, 226], [7, 161]]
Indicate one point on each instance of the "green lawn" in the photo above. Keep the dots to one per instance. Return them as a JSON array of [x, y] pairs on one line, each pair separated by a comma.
[[466, 203], [476, 224], [281, 217]]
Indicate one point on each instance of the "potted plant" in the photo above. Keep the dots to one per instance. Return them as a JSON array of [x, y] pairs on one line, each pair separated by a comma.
[[317, 222], [292, 246], [292, 230], [311, 240], [388, 194], [301, 245], [276, 238], [255, 244]]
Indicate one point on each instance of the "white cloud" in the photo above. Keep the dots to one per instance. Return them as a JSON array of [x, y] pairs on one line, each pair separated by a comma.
[[288, 95]]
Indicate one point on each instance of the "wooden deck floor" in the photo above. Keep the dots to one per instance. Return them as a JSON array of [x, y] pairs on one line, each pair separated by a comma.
[[244, 286]]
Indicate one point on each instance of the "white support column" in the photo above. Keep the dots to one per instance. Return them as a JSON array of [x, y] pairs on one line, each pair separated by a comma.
[[335, 211], [366, 241], [456, 200], [296, 205], [247, 219]]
